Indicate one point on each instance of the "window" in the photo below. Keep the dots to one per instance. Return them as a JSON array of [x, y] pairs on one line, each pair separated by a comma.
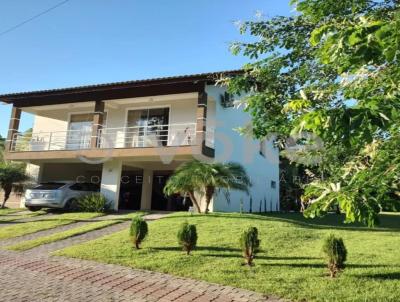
[[77, 187], [263, 147], [273, 184], [226, 100], [50, 186], [147, 127]]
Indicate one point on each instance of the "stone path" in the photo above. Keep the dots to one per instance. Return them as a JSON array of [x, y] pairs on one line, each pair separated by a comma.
[[62, 228], [21, 219], [18, 217], [34, 275]]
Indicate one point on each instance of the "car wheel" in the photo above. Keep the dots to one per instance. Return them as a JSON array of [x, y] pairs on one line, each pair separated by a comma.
[[71, 205], [34, 209]]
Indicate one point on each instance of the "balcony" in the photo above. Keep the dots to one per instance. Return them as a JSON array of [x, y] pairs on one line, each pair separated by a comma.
[[148, 136], [151, 136]]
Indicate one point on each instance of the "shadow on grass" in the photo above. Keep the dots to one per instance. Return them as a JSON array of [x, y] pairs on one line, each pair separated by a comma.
[[199, 248], [389, 222], [237, 253], [323, 265], [382, 276], [258, 256]]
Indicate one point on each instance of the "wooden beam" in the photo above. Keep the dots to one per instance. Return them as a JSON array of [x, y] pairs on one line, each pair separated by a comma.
[[13, 126], [98, 118], [201, 117]]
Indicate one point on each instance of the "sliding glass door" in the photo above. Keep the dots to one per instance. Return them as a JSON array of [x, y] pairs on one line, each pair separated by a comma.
[[80, 131], [147, 127]]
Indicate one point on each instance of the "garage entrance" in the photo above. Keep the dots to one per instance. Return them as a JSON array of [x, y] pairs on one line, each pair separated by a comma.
[[131, 190], [159, 201]]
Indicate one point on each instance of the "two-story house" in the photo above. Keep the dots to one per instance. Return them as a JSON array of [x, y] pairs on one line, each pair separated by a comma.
[[130, 136]]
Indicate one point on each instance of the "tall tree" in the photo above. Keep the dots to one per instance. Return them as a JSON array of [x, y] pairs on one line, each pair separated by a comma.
[[329, 77], [205, 179], [12, 175]]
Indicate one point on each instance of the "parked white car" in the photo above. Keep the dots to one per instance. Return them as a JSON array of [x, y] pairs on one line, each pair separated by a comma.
[[57, 194]]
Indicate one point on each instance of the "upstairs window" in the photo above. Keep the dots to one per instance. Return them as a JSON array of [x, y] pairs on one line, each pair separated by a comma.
[[263, 148]]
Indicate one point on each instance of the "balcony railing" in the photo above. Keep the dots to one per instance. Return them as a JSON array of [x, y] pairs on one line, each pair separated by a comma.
[[148, 136], [123, 137], [51, 141]]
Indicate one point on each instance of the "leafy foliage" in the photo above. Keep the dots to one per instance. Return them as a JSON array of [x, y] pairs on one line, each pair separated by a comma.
[[249, 243], [12, 176], [336, 254], [25, 140], [94, 202], [138, 231], [328, 77], [205, 178], [187, 237]]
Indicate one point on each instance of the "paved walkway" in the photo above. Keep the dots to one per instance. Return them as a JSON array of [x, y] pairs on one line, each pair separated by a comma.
[[34, 275]]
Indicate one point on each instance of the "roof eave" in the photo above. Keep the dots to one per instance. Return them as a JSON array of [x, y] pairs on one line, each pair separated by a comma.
[[196, 79]]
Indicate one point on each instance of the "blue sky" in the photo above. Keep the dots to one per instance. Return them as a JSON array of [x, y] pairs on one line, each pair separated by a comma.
[[100, 41]]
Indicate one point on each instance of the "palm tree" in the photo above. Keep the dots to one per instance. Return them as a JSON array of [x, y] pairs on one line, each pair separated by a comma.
[[11, 177], [205, 179]]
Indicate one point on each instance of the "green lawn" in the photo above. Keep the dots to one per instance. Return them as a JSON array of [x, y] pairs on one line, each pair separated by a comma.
[[289, 266], [7, 211], [91, 226], [26, 245], [48, 222]]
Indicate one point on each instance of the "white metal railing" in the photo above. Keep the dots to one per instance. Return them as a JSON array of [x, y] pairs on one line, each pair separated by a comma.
[[48, 141], [123, 137], [148, 136]]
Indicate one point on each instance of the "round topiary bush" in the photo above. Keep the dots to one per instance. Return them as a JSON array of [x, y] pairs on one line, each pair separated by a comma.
[[138, 231], [187, 237], [336, 254], [94, 202], [249, 243]]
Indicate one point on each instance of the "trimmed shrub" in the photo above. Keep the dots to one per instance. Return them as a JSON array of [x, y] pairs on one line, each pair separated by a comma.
[[336, 254], [187, 237], [94, 202], [249, 243], [138, 231]]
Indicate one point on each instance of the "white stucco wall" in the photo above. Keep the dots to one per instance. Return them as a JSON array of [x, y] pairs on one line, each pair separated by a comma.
[[111, 181], [46, 124], [231, 146], [181, 111]]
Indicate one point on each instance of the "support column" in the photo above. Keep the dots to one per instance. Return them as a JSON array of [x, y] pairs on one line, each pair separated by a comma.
[[111, 181], [201, 129], [13, 127], [147, 188], [35, 172], [98, 118], [201, 116]]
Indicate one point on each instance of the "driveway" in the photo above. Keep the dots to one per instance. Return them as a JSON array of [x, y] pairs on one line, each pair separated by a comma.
[[35, 275]]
